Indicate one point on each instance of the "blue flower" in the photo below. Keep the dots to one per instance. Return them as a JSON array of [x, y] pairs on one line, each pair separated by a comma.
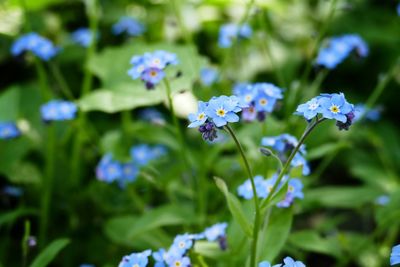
[[38, 45], [361, 112], [339, 48], [150, 67], [200, 117], [152, 115], [289, 262], [310, 109], [182, 243], [142, 154], [9, 130], [152, 76], [335, 107], [179, 261], [295, 188], [129, 173], [267, 264], [129, 25], [13, 191], [245, 190], [83, 37], [398, 9], [395, 255], [229, 32], [208, 76], [108, 170], [86, 265], [58, 110], [160, 257], [382, 200], [222, 110], [215, 232], [136, 259]]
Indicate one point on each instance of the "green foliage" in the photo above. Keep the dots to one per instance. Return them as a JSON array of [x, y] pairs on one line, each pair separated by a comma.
[[50, 252]]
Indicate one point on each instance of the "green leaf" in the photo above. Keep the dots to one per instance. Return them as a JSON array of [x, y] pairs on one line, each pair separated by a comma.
[[119, 92], [342, 196], [235, 207], [276, 234], [9, 104], [325, 149], [50, 252], [311, 241], [35, 5], [208, 249]]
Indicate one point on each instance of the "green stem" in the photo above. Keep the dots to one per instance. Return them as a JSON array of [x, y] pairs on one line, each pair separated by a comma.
[[65, 89], [47, 183], [24, 245], [43, 81], [86, 87], [257, 221], [285, 168]]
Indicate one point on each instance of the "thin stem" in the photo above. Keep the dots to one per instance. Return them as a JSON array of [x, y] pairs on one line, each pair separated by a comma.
[[86, 87], [65, 89], [285, 168], [257, 222], [178, 14], [24, 245]]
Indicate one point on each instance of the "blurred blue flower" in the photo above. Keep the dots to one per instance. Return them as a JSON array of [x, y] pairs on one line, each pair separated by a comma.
[[150, 67], [129, 173], [13, 191], [58, 110], [159, 257], [230, 32], [83, 37], [208, 76], [86, 265], [38, 45], [215, 231], [295, 187], [128, 25], [142, 154], [181, 261], [136, 259], [267, 264], [382, 200], [362, 112], [339, 48], [395, 255], [152, 115], [398, 9], [245, 190], [108, 170], [289, 262], [9, 130]]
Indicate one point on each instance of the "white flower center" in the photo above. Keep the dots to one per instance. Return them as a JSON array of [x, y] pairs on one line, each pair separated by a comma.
[[221, 112], [313, 106]]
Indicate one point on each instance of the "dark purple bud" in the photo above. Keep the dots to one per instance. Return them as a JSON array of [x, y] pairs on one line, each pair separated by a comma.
[[345, 126], [222, 242], [261, 115]]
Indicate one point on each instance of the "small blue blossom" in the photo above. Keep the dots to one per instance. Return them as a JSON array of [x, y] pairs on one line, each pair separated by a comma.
[[150, 67], [395, 255], [108, 170], [310, 109], [13, 191], [136, 259], [245, 190], [160, 257], [208, 76], [200, 117], [142, 154], [9, 130], [295, 188], [129, 173], [83, 37], [230, 32], [38, 45], [267, 264], [339, 48], [215, 232], [86, 265], [182, 243], [382, 200], [222, 110], [179, 261], [362, 112], [58, 110], [128, 25], [152, 115], [398, 9], [289, 262]]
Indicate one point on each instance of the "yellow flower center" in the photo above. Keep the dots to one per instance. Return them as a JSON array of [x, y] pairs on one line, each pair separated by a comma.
[[177, 263], [334, 109], [248, 98], [153, 73], [263, 101], [269, 188], [201, 116], [221, 112], [291, 188], [136, 265]]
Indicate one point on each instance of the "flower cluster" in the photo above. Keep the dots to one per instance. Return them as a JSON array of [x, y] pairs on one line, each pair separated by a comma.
[[58, 110], [395, 255], [38, 45], [329, 106], [208, 76], [128, 25], [339, 48], [264, 187], [284, 144], [9, 130], [261, 98], [230, 32], [110, 169], [83, 37], [217, 112], [177, 253], [287, 262], [150, 67], [362, 112]]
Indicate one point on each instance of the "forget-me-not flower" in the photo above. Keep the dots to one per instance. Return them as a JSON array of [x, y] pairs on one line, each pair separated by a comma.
[[9, 130], [41, 47], [136, 259], [208, 76], [215, 231], [289, 262], [58, 110], [129, 25], [230, 32], [395, 255], [83, 37]]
